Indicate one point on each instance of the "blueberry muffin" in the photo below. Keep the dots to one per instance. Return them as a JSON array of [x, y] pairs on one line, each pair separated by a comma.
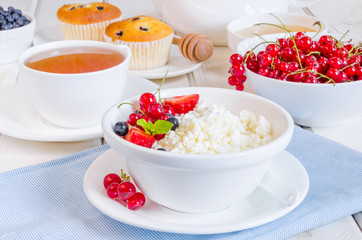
[[149, 39], [87, 21]]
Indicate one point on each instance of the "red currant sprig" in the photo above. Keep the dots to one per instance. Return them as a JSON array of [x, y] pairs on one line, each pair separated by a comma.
[[122, 190]]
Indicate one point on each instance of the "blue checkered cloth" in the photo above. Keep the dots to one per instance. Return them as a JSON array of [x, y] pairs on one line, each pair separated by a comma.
[[46, 201]]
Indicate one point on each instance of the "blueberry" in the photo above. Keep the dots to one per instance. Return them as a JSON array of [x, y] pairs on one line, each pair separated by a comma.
[[15, 16], [161, 149], [9, 19], [18, 11], [26, 21], [100, 8], [175, 123], [11, 9], [120, 128]]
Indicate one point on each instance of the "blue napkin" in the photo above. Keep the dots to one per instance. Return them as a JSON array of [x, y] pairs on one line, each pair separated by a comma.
[[46, 201]]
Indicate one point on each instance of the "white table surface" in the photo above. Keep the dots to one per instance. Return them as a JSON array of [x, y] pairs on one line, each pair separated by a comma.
[[15, 153]]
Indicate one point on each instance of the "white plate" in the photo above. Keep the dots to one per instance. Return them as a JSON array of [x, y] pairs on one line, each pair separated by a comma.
[[261, 207], [177, 65], [19, 119]]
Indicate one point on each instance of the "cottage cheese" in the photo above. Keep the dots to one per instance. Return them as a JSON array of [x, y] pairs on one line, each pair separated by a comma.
[[213, 129]]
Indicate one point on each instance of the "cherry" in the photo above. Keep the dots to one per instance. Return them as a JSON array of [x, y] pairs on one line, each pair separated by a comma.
[[125, 190], [111, 178], [136, 201], [146, 99]]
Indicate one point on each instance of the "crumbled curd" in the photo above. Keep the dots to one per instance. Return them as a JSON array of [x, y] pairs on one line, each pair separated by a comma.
[[213, 129]]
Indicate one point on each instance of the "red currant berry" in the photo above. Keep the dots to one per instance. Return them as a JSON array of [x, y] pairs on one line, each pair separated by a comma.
[[249, 56], [342, 77], [237, 70], [274, 74], [333, 74], [272, 49], [112, 190], [299, 35], [355, 60], [232, 81], [323, 40], [239, 87], [300, 56], [293, 66], [147, 99], [342, 52], [147, 118], [155, 110], [266, 60], [311, 79], [299, 77], [253, 65], [164, 116], [287, 54], [258, 56], [126, 190], [283, 43], [133, 117], [111, 178], [304, 43], [236, 58], [264, 71], [159, 136], [168, 109], [309, 60], [350, 71], [335, 62], [136, 201]]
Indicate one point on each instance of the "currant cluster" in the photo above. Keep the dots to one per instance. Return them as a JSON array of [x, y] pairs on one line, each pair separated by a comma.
[[123, 191], [300, 59]]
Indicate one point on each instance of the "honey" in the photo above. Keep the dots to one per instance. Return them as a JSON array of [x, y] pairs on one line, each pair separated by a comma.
[[75, 60], [267, 29]]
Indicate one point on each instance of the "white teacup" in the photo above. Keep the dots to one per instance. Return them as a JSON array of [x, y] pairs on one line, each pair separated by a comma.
[[74, 100]]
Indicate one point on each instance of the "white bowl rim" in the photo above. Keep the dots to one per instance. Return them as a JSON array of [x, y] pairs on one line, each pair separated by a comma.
[[34, 50], [19, 29], [204, 159], [240, 19]]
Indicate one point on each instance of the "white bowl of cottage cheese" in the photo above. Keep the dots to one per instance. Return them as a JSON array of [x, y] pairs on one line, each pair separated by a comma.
[[216, 157]]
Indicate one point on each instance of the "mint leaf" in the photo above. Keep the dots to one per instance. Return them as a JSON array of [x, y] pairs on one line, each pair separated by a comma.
[[147, 126], [159, 127], [162, 126]]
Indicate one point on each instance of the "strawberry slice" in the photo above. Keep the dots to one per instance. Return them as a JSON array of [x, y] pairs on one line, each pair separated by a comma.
[[139, 137], [183, 104]]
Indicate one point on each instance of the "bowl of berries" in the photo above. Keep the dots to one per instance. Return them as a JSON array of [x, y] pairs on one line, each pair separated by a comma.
[[317, 80], [187, 148], [16, 33]]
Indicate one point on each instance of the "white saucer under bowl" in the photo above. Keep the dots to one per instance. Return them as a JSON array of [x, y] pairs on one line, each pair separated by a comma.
[[19, 119], [283, 189], [177, 65]]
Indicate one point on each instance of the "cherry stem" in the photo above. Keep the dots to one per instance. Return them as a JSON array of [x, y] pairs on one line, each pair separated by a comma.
[[126, 103], [319, 29], [311, 71], [159, 88], [124, 176]]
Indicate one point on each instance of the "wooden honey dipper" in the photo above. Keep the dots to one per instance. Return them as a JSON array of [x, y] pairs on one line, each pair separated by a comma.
[[194, 46]]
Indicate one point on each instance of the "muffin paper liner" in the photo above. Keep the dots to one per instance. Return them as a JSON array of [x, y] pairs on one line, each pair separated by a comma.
[[93, 31], [147, 55]]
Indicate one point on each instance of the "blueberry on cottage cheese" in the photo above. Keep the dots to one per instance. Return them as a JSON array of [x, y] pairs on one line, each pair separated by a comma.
[[12, 18]]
